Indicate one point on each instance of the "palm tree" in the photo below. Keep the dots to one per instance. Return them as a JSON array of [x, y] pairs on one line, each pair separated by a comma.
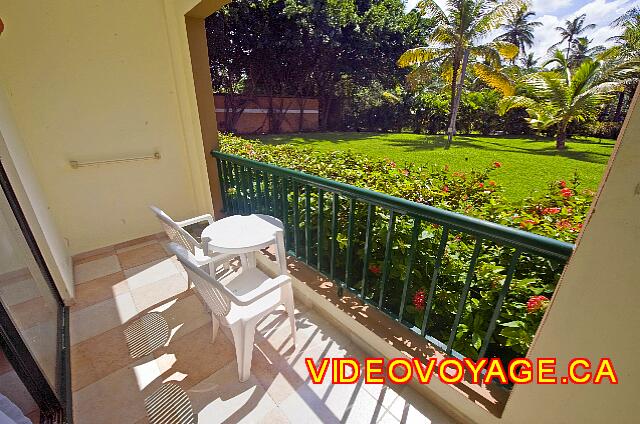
[[571, 30], [529, 62], [519, 29], [581, 50], [562, 96], [457, 38]]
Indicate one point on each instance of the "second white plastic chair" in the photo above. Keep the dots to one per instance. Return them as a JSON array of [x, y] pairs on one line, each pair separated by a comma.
[[240, 303]]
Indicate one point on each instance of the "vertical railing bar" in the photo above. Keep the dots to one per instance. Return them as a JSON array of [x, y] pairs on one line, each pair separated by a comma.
[[243, 205], [238, 185], [434, 278], [285, 207], [320, 228], [223, 185], [464, 294], [496, 311], [307, 225], [274, 194], [334, 235], [245, 191], [253, 206], [296, 217], [259, 199], [349, 254], [387, 256], [367, 249], [410, 260]]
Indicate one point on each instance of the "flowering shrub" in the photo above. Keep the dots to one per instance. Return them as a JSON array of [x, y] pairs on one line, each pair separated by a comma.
[[557, 213]]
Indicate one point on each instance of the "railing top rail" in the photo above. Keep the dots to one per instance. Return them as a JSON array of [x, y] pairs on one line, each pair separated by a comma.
[[528, 242]]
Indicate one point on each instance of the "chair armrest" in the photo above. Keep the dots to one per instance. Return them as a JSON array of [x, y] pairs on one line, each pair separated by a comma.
[[206, 217], [263, 290]]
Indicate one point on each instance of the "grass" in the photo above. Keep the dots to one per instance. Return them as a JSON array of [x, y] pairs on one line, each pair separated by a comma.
[[528, 165]]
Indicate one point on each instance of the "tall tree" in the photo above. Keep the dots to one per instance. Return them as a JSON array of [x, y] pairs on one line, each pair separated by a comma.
[[582, 50], [459, 34], [309, 47], [562, 96], [572, 29], [519, 29]]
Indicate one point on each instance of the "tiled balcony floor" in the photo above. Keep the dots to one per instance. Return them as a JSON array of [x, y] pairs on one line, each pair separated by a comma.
[[142, 352]]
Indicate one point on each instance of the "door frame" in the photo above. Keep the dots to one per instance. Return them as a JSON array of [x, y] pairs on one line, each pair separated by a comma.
[[52, 409]]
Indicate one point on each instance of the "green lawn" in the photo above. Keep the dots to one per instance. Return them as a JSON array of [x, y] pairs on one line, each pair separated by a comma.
[[528, 165]]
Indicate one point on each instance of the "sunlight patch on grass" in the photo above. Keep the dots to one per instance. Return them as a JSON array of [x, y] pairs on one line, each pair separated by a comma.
[[528, 165]]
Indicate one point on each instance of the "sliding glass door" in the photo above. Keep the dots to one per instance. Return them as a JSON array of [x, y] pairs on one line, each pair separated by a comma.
[[32, 315]]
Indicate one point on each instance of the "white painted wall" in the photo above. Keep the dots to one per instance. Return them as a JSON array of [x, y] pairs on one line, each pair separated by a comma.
[[105, 79]]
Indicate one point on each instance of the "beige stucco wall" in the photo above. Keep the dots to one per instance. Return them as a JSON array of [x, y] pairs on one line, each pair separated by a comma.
[[33, 203], [104, 79], [595, 310]]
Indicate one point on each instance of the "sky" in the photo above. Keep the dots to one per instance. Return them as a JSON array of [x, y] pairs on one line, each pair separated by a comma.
[[553, 13]]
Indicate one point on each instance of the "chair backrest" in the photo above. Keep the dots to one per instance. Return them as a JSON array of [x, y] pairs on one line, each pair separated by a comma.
[[209, 288], [174, 231]]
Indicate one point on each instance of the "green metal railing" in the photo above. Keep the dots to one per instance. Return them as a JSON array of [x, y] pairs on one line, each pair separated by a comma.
[[370, 244]]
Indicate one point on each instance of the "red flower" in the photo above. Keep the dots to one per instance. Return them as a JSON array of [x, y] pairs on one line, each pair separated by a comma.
[[375, 269], [536, 303], [481, 185], [418, 300], [563, 225], [497, 164], [563, 184], [551, 211], [445, 189], [566, 192], [527, 223]]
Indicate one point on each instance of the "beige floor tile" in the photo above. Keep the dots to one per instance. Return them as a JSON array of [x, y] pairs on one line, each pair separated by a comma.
[[328, 403], [141, 255], [275, 416], [32, 312], [19, 292], [100, 289], [98, 357], [149, 242], [222, 398], [152, 272], [119, 397], [411, 407], [184, 315], [194, 357], [101, 317], [135, 242], [88, 271], [153, 295]]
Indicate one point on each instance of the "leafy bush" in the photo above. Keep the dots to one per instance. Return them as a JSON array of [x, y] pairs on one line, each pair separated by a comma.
[[558, 213]]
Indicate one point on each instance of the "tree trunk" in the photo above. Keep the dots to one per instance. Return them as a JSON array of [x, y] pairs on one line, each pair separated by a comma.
[[618, 114], [456, 104], [561, 136]]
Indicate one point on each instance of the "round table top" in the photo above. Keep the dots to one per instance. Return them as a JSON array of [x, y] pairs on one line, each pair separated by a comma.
[[242, 233]]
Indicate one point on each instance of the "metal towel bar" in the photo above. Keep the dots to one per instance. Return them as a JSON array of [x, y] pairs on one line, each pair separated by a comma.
[[75, 164]]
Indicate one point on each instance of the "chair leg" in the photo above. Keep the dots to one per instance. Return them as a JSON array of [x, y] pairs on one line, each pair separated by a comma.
[[215, 325], [212, 269], [287, 299], [243, 335]]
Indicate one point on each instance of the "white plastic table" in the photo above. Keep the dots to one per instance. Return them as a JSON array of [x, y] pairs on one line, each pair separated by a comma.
[[245, 235]]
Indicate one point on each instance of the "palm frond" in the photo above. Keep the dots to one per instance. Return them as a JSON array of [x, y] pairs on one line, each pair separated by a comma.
[[495, 79], [420, 55], [514, 102]]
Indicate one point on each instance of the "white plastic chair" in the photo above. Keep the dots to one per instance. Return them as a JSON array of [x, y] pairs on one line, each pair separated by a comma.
[[200, 251], [240, 303]]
